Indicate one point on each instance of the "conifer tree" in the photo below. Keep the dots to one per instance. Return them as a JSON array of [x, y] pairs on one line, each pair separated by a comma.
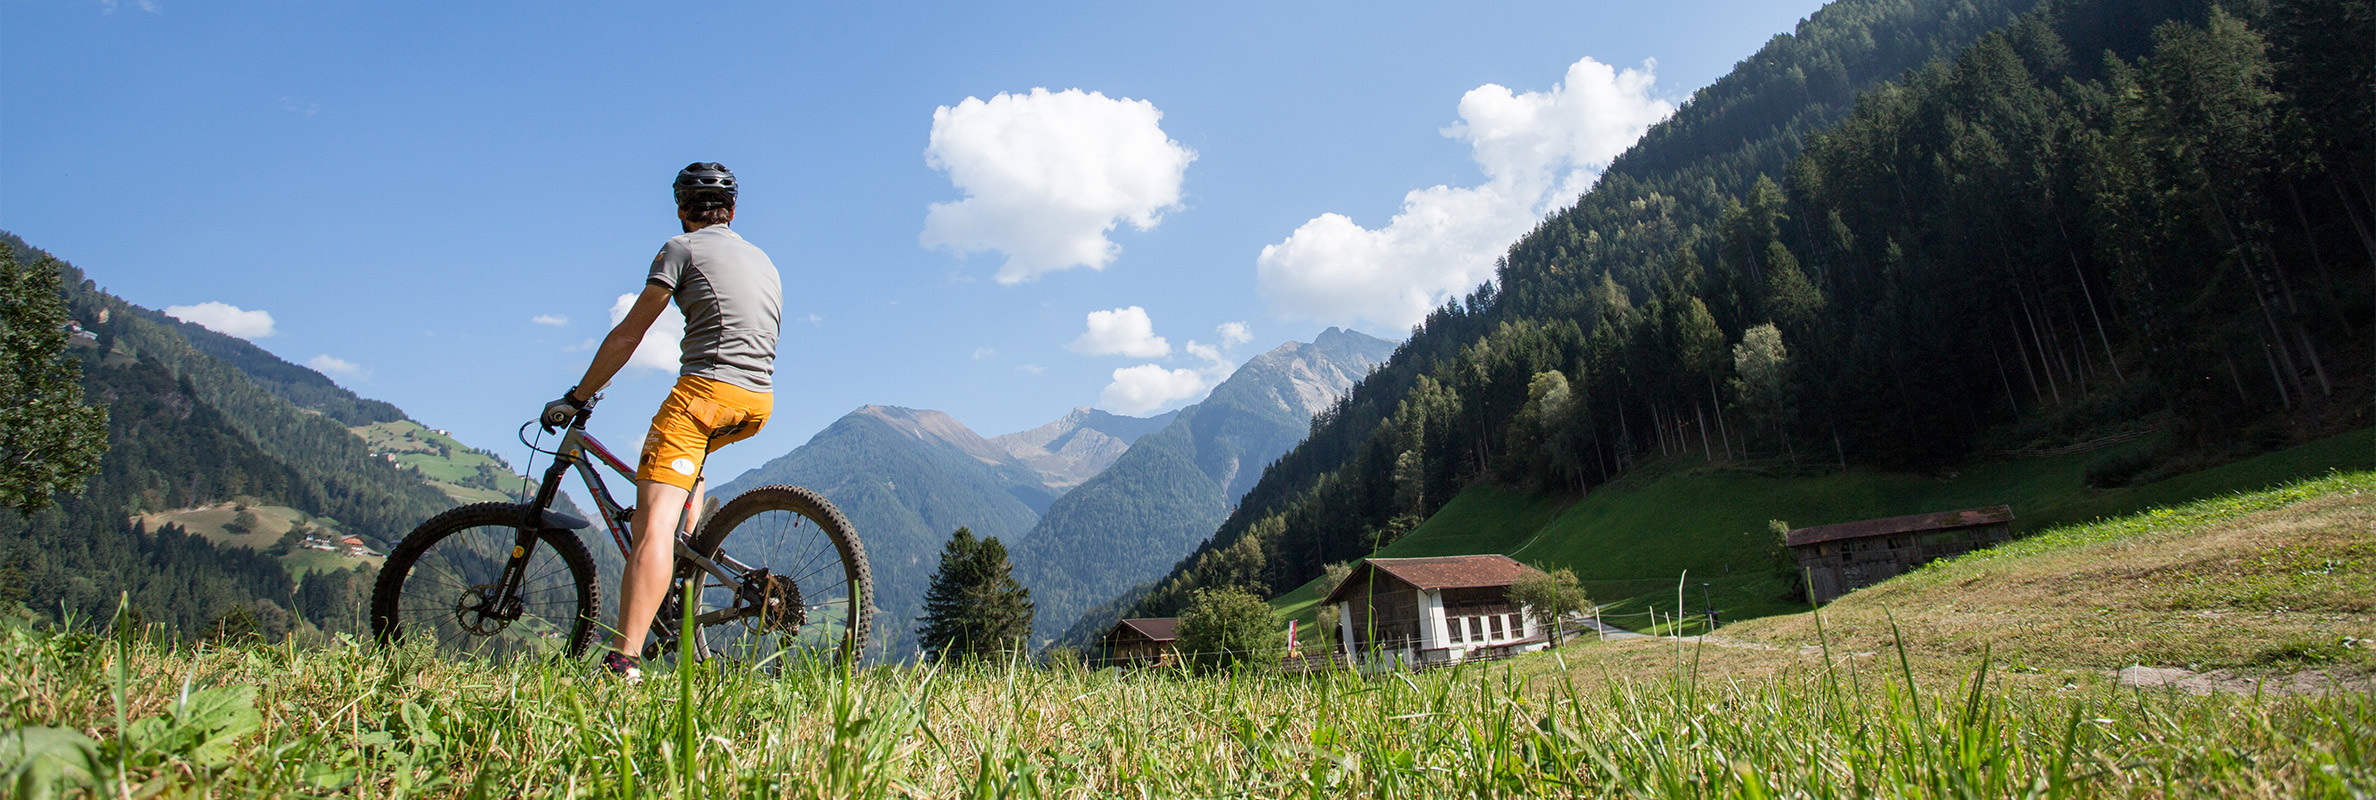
[[974, 607], [49, 440]]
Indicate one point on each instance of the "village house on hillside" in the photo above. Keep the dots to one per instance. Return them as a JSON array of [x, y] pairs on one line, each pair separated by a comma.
[[1424, 612], [1842, 558], [1140, 642]]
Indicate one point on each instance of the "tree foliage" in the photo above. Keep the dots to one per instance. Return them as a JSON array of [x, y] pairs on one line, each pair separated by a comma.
[[1551, 597], [974, 608], [49, 440], [1916, 233], [1228, 627], [188, 424]]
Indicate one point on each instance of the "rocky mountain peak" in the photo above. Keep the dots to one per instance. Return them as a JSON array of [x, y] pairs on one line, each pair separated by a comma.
[[1077, 445]]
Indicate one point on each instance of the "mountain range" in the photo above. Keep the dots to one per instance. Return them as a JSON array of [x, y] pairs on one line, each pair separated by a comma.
[[221, 450], [219, 456], [1168, 492], [1116, 499]]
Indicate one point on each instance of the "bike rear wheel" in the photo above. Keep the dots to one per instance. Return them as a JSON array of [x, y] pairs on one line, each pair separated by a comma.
[[810, 592], [438, 589]]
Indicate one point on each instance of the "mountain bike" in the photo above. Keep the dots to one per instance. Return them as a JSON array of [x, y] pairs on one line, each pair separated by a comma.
[[777, 574]]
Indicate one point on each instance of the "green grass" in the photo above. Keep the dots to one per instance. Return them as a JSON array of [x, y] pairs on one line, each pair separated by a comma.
[[1632, 541], [265, 720], [418, 447], [2264, 579], [1920, 687]]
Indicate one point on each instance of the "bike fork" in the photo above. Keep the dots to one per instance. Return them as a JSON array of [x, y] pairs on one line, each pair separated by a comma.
[[515, 572]]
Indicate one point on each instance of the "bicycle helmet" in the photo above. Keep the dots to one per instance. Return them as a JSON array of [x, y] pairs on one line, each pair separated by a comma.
[[705, 185]]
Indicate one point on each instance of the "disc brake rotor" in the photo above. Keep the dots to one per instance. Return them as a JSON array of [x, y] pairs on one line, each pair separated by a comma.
[[476, 611]]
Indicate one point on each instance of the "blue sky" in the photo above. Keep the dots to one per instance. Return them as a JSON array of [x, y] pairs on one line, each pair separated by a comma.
[[440, 204]]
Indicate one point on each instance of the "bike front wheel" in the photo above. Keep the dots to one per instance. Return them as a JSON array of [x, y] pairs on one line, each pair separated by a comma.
[[806, 590], [441, 589]]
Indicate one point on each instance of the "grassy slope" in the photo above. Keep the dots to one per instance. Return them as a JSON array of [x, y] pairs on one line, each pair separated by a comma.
[[1632, 540], [271, 522], [457, 470], [2262, 584]]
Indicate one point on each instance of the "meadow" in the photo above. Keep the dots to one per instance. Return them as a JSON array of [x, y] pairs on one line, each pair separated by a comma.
[[1953, 681], [1705, 522]]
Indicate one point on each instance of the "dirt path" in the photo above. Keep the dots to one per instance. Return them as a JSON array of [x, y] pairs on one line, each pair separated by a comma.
[[2201, 683]]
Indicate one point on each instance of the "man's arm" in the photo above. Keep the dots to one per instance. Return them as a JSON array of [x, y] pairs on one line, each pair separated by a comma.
[[621, 342]]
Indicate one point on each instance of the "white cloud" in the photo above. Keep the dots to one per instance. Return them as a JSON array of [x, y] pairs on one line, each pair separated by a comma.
[[1210, 354], [660, 349], [555, 320], [1048, 174], [1234, 333], [1122, 331], [984, 352], [331, 365], [1146, 387], [1030, 369], [1539, 152], [225, 318]]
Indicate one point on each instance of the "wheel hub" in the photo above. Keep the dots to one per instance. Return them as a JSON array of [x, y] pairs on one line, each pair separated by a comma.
[[482, 613], [773, 602]]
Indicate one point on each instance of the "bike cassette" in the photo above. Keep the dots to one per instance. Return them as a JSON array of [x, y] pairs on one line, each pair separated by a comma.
[[772, 601]]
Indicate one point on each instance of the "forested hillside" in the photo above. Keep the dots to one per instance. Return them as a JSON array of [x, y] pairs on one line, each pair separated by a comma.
[[1132, 521], [199, 418], [907, 479], [2029, 227]]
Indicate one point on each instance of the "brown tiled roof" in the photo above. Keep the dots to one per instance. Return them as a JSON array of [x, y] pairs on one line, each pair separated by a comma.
[[1159, 629], [1442, 572], [1942, 520]]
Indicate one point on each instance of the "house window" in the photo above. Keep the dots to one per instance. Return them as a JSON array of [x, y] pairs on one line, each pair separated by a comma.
[[1517, 628], [1496, 622]]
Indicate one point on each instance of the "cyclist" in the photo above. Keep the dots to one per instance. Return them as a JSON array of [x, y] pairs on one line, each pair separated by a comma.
[[732, 300]]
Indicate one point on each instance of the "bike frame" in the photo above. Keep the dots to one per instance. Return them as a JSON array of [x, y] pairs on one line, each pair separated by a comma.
[[581, 452]]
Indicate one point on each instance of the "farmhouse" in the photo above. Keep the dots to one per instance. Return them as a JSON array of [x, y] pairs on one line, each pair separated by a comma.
[[1142, 641], [1841, 558], [1430, 611]]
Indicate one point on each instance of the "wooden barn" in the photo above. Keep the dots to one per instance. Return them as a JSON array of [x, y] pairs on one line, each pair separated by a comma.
[[1842, 558], [1135, 642], [1424, 612]]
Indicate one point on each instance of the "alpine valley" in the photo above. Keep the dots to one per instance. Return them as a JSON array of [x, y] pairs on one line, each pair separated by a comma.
[[1090, 504]]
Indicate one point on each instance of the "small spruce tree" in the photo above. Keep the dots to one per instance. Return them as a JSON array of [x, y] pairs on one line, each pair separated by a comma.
[[974, 607]]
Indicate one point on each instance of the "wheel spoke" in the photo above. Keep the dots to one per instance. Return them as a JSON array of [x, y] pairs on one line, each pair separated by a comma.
[[442, 572]]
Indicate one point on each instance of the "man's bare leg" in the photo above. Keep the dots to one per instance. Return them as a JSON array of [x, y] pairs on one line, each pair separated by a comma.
[[659, 508]]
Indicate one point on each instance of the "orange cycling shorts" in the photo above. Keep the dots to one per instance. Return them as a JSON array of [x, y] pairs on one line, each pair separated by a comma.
[[699, 415]]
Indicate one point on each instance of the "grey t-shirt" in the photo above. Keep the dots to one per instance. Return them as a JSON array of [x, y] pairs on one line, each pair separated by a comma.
[[733, 303]]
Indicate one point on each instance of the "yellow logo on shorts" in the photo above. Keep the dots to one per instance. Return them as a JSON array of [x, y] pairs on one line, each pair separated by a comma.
[[683, 466], [518, 551]]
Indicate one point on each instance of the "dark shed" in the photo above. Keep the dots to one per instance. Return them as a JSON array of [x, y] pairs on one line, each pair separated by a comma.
[[1841, 558], [1141, 641]]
